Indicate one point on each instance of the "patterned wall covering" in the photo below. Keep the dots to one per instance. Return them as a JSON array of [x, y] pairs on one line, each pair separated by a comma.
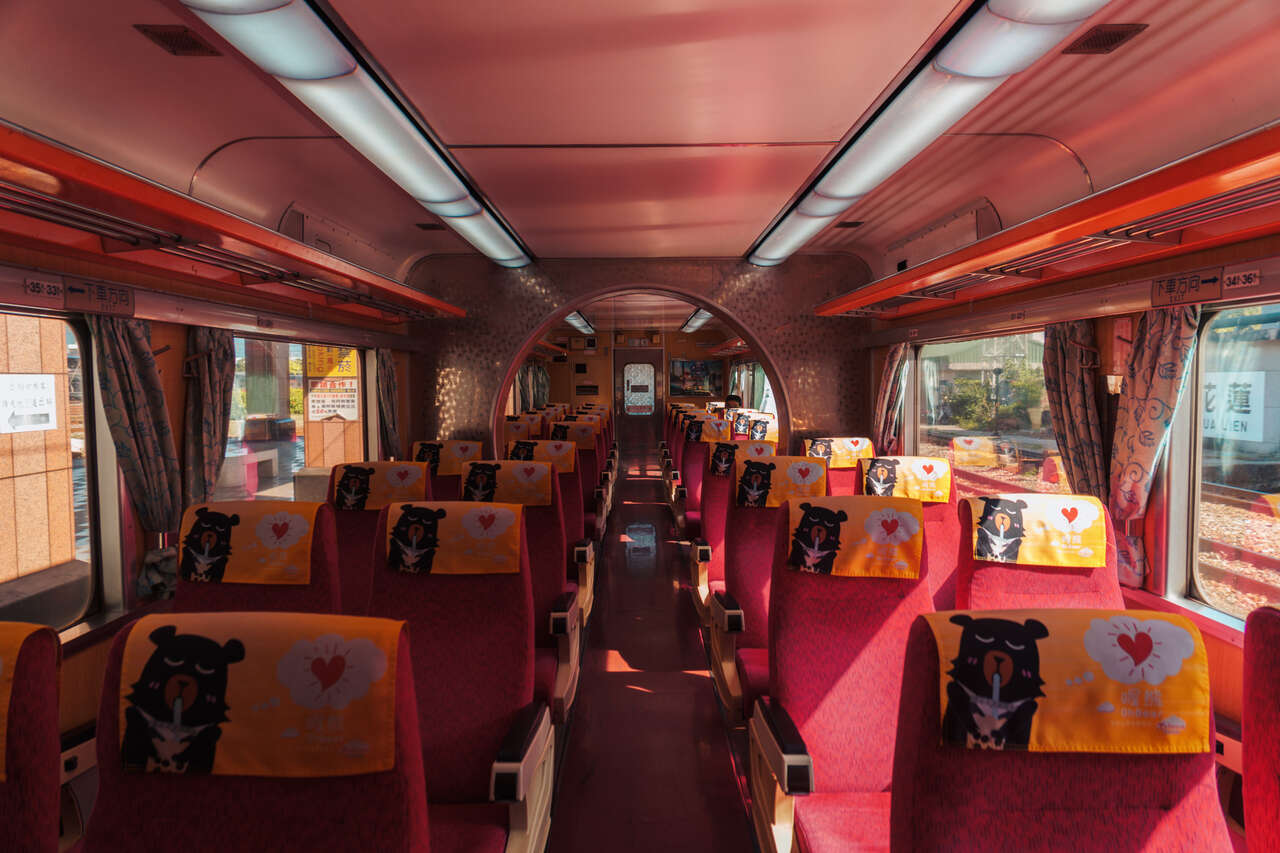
[[824, 371]]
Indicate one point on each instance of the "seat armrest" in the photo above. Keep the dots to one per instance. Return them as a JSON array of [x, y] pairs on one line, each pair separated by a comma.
[[584, 551], [726, 614], [782, 747], [675, 476], [521, 751], [662, 445], [701, 550], [564, 614]]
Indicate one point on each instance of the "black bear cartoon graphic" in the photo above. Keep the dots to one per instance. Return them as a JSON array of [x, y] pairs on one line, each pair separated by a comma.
[[353, 487], [1000, 530], [759, 430], [816, 539], [207, 546], [882, 476], [995, 680], [693, 432], [482, 482], [821, 448], [757, 479], [569, 418], [722, 458], [522, 450], [559, 432], [414, 540], [178, 704], [429, 452], [741, 423]]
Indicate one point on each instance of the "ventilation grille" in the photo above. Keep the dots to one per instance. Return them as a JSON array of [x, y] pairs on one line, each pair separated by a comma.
[[177, 39], [430, 226], [850, 224], [1104, 38]]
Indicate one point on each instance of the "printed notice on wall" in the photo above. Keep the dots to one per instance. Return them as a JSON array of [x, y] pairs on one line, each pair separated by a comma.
[[28, 402], [1234, 405], [329, 397], [332, 361]]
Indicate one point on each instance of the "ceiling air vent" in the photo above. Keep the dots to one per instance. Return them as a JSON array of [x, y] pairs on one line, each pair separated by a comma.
[[177, 39], [1104, 38], [430, 226], [852, 223]]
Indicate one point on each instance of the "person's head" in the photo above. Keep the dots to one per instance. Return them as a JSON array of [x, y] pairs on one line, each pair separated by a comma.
[[733, 401]]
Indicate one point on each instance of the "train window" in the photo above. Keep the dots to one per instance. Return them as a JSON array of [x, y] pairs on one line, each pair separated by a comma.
[[1237, 566], [293, 407], [983, 406], [749, 381], [46, 572]]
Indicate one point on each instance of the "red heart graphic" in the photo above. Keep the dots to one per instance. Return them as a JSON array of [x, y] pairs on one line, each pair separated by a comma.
[[803, 472], [1070, 513], [557, 447], [528, 472], [928, 469], [759, 451], [464, 448], [968, 441], [889, 526], [328, 671], [486, 521], [280, 528], [403, 474], [1137, 647]]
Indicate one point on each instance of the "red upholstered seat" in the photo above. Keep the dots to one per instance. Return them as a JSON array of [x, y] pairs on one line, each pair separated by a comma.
[[324, 594], [446, 487], [716, 494], [753, 674], [949, 798], [693, 467], [751, 537], [986, 585], [844, 481], [589, 476], [29, 792], [1262, 729], [356, 531], [850, 821], [468, 828], [218, 814]]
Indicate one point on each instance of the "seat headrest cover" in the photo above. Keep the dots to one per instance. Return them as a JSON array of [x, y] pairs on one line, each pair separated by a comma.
[[780, 479], [762, 429], [857, 536], [261, 694], [581, 433], [1039, 530], [454, 538], [507, 481], [266, 542], [925, 478], [515, 429], [12, 636], [724, 456], [715, 429], [445, 458], [974, 450], [561, 454], [1109, 681], [714, 406], [839, 452], [373, 485]]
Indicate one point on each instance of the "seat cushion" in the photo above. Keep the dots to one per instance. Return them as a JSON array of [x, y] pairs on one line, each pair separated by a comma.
[[839, 822], [715, 586], [753, 672], [467, 827], [545, 662]]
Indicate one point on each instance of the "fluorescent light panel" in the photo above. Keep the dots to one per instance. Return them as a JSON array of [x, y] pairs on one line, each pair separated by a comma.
[[579, 322], [1001, 39], [290, 42], [696, 320]]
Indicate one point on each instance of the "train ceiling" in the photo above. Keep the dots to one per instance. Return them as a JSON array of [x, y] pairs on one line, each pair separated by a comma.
[[640, 312]]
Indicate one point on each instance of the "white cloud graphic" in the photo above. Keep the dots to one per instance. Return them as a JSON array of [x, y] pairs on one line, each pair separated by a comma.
[[855, 444], [464, 451], [1072, 516], [928, 470], [487, 522], [1172, 725], [281, 529], [331, 671], [804, 473], [1106, 708], [1132, 650], [890, 527], [530, 472], [402, 476], [559, 448]]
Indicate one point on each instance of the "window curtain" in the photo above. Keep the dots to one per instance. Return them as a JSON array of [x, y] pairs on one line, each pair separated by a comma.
[[1070, 378], [211, 373], [541, 385], [388, 411], [1159, 363], [139, 420], [888, 410]]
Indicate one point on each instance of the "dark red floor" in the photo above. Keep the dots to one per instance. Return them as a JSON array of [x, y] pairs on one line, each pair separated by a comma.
[[647, 766]]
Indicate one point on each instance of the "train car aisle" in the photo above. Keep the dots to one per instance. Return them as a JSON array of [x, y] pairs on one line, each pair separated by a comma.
[[647, 766]]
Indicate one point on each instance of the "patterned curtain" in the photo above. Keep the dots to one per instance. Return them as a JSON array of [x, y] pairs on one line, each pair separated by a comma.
[[139, 420], [388, 394], [1070, 378], [541, 386], [211, 372], [1163, 345], [888, 410]]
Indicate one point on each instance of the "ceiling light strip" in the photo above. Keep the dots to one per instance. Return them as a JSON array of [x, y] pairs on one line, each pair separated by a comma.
[[294, 45], [696, 321], [1003, 38]]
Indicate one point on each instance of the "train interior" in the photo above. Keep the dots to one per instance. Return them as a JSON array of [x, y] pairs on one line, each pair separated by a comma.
[[759, 425]]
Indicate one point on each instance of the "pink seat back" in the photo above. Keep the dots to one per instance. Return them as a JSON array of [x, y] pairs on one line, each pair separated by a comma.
[[29, 793], [215, 814], [693, 466], [844, 481], [988, 585], [324, 594], [472, 643], [1262, 729], [951, 798], [836, 646], [716, 495], [752, 536]]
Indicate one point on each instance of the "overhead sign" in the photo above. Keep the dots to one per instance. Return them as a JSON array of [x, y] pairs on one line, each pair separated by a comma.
[[99, 298], [1241, 278], [327, 398], [332, 361], [1188, 288], [28, 402], [1234, 405]]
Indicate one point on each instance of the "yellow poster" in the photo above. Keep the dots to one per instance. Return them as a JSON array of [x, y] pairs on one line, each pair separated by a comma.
[[266, 542], [1039, 530], [332, 362], [1128, 681], [925, 478], [857, 536], [454, 538]]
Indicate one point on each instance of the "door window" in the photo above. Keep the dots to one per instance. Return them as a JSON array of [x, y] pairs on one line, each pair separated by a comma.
[[638, 379]]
